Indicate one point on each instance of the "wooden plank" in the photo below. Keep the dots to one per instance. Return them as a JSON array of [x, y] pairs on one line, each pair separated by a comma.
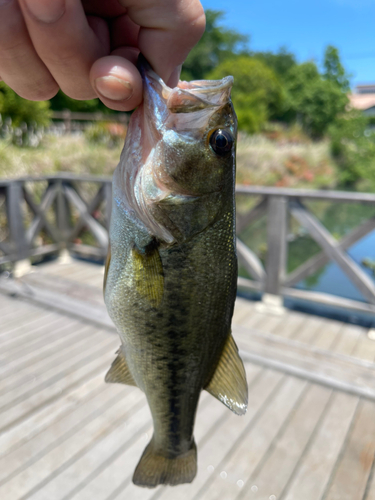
[[21, 316], [68, 425], [93, 314], [15, 219], [291, 324], [242, 455], [52, 376], [90, 208], [67, 287], [67, 351], [41, 472], [48, 415], [328, 335], [19, 337], [37, 343], [331, 368], [315, 468], [310, 330], [356, 274], [350, 478], [15, 414], [365, 348], [273, 474], [348, 339]]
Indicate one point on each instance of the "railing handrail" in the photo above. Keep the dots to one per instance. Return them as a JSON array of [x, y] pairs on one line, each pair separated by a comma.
[[318, 194]]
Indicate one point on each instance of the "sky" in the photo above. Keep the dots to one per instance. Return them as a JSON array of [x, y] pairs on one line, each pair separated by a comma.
[[306, 28]]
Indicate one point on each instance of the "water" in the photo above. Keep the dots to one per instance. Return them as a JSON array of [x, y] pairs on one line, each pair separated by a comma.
[[340, 219]]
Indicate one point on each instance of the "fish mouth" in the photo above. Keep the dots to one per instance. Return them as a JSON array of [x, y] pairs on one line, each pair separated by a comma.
[[186, 97]]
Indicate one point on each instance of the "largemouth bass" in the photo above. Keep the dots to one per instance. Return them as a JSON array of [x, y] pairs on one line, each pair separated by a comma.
[[171, 273]]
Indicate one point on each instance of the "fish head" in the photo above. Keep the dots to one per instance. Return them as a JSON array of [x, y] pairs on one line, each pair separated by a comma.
[[179, 156]]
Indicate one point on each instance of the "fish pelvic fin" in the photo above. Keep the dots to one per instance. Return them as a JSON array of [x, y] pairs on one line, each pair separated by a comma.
[[154, 469], [119, 372], [228, 383]]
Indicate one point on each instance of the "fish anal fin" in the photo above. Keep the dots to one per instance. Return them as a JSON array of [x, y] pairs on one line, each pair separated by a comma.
[[119, 372], [228, 383], [154, 468]]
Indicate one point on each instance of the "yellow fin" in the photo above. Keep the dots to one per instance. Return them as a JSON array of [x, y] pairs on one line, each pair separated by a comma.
[[228, 383], [148, 274], [106, 268], [119, 372], [154, 469]]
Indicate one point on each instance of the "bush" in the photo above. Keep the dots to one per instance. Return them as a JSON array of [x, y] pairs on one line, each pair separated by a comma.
[[353, 148], [108, 134], [19, 110]]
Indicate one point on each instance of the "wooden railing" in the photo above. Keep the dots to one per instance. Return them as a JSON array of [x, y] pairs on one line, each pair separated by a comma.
[[75, 119], [49, 214]]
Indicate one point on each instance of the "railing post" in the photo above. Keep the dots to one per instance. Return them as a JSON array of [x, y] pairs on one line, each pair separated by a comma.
[[62, 222], [16, 228], [277, 228]]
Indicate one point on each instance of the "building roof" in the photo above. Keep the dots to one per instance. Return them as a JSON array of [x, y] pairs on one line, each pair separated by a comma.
[[362, 101]]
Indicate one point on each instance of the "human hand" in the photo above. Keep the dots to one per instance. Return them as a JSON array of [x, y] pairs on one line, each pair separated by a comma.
[[89, 48]]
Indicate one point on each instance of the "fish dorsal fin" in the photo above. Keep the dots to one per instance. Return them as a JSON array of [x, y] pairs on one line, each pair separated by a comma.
[[106, 268], [119, 372], [228, 383]]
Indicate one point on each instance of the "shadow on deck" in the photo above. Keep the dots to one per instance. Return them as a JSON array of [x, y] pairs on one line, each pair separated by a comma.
[[309, 433]]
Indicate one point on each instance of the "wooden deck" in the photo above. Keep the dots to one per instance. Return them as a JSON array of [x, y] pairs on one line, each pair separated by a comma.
[[309, 433]]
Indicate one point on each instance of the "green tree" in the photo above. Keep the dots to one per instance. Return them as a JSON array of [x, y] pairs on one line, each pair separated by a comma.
[[353, 148], [313, 101], [61, 101], [334, 70], [257, 93], [216, 45], [281, 62], [21, 110]]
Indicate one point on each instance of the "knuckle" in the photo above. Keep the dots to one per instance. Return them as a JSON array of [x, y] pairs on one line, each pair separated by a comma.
[[41, 92]]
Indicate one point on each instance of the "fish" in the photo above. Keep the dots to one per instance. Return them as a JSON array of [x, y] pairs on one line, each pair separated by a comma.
[[171, 272]]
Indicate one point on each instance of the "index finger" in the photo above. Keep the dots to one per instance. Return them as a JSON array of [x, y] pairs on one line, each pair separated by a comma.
[[169, 30]]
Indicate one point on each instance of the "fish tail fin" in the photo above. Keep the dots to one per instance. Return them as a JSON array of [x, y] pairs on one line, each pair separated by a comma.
[[154, 469]]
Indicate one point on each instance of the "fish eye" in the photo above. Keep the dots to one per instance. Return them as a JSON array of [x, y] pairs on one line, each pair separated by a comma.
[[221, 142]]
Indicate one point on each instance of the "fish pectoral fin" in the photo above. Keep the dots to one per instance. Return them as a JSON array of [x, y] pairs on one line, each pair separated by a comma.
[[228, 383], [119, 372]]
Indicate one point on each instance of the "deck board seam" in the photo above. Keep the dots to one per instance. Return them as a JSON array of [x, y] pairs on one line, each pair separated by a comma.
[[73, 430], [342, 450], [309, 444], [255, 419], [283, 427], [134, 409]]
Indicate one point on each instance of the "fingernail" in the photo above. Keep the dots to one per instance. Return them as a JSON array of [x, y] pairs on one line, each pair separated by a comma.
[[114, 88], [45, 10], [175, 77]]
